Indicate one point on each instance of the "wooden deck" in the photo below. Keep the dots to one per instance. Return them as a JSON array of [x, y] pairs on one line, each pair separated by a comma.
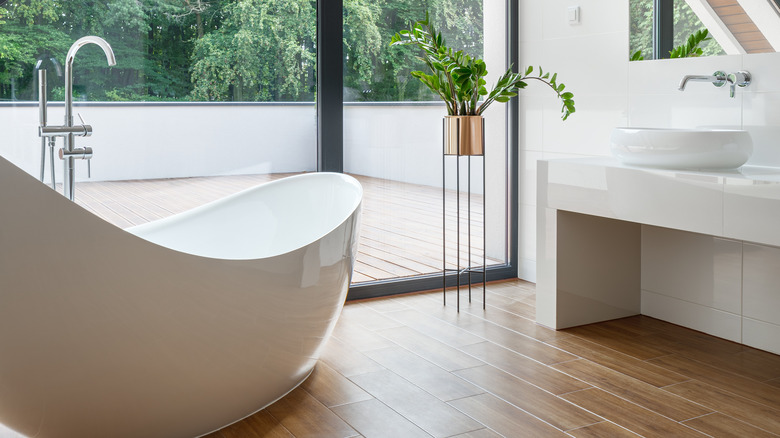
[[401, 227]]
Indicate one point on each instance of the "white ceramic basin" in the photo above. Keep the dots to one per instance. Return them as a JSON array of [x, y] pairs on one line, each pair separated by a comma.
[[682, 148]]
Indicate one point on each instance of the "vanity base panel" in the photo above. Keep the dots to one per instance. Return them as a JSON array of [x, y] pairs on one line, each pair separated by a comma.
[[694, 316], [597, 274], [615, 241]]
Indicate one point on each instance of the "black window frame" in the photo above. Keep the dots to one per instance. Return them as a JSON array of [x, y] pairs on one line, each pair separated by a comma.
[[330, 145]]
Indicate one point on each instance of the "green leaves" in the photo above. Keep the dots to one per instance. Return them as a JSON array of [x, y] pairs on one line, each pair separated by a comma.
[[637, 56], [691, 49], [459, 79], [509, 83]]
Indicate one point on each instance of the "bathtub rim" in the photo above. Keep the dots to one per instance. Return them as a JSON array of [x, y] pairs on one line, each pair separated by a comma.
[[355, 207]]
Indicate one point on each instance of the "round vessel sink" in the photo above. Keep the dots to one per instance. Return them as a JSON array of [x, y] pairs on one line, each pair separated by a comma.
[[709, 149]]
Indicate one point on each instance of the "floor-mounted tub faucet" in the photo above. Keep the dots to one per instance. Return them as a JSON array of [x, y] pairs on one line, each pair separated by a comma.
[[68, 131]]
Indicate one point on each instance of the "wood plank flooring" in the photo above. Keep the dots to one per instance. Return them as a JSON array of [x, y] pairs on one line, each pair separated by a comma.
[[409, 367], [401, 227]]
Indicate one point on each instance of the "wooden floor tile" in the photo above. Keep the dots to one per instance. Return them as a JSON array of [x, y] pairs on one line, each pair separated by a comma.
[[373, 419], [367, 317], [768, 362], [605, 429], [633, 390], [720, 353], [529, 398], [636, 325], [519, 343], [524, 368], [304, 416], [331, 388], [424, 410], [618, 361], [432, 350], [359, 337], [346, 360], [748, 388], [730, 404], [722, 426], [511, 321], [432, 327], [435, 380], [625, 343], [259, 425], [628, 415], [504, 418], [482, 433]]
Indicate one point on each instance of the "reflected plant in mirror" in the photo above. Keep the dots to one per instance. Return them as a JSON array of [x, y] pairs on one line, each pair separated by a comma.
[[675, 28]]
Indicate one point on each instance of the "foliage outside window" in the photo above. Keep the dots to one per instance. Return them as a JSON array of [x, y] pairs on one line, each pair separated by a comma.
[[218, 50]]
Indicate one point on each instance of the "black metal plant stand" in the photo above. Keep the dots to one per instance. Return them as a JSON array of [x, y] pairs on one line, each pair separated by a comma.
[[470, 268]]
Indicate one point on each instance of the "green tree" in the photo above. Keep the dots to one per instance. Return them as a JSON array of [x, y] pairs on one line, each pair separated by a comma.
[[390, 69], [29, 33], [253, 50], [264, 51]]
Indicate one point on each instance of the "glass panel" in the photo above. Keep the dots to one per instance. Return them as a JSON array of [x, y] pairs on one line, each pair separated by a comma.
[[206, 98], [393, 140]]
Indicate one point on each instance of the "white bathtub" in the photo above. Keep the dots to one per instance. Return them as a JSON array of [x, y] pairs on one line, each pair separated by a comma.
[[181, 326]]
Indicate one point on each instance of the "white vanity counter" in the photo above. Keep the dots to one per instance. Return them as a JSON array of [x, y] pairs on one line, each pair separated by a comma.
[[615, 240]]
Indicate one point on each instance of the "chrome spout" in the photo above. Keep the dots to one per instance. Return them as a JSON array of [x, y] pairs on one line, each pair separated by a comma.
[[110, 58], [67, 155], [718, 79]]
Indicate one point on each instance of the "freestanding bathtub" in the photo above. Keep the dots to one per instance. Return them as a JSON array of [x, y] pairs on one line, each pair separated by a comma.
[[177, 327]]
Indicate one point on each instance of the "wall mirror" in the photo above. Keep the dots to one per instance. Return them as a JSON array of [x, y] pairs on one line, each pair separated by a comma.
[[686, 28]]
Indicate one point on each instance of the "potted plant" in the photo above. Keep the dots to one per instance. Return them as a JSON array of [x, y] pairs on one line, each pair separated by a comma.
[[458, 79]]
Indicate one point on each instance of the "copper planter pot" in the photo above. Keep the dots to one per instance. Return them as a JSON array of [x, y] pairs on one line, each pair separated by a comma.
[[464, 135]]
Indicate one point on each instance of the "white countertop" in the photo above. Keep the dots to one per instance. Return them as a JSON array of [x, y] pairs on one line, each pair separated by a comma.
[[741, 204]]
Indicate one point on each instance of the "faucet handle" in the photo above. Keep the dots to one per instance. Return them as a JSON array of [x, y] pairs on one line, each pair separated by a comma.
[[739, 79], [87, 128]]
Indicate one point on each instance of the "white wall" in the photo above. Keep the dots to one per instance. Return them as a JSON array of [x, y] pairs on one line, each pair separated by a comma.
[[136, 141], [591, 58]]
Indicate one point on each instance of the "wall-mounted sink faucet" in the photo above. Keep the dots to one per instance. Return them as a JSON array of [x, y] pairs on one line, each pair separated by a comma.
[[739, 79], [718, 79], [68, 131]]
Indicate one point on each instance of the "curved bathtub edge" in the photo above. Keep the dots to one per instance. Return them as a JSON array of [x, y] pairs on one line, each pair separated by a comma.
[[150, 342], [269, 404]]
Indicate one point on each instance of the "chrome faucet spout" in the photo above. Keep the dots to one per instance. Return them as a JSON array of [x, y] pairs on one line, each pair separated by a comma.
[[718, 79], [110, 58]]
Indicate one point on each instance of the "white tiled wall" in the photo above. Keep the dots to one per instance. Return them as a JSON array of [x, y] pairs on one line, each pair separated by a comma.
[[724, 287], [591, 58]]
